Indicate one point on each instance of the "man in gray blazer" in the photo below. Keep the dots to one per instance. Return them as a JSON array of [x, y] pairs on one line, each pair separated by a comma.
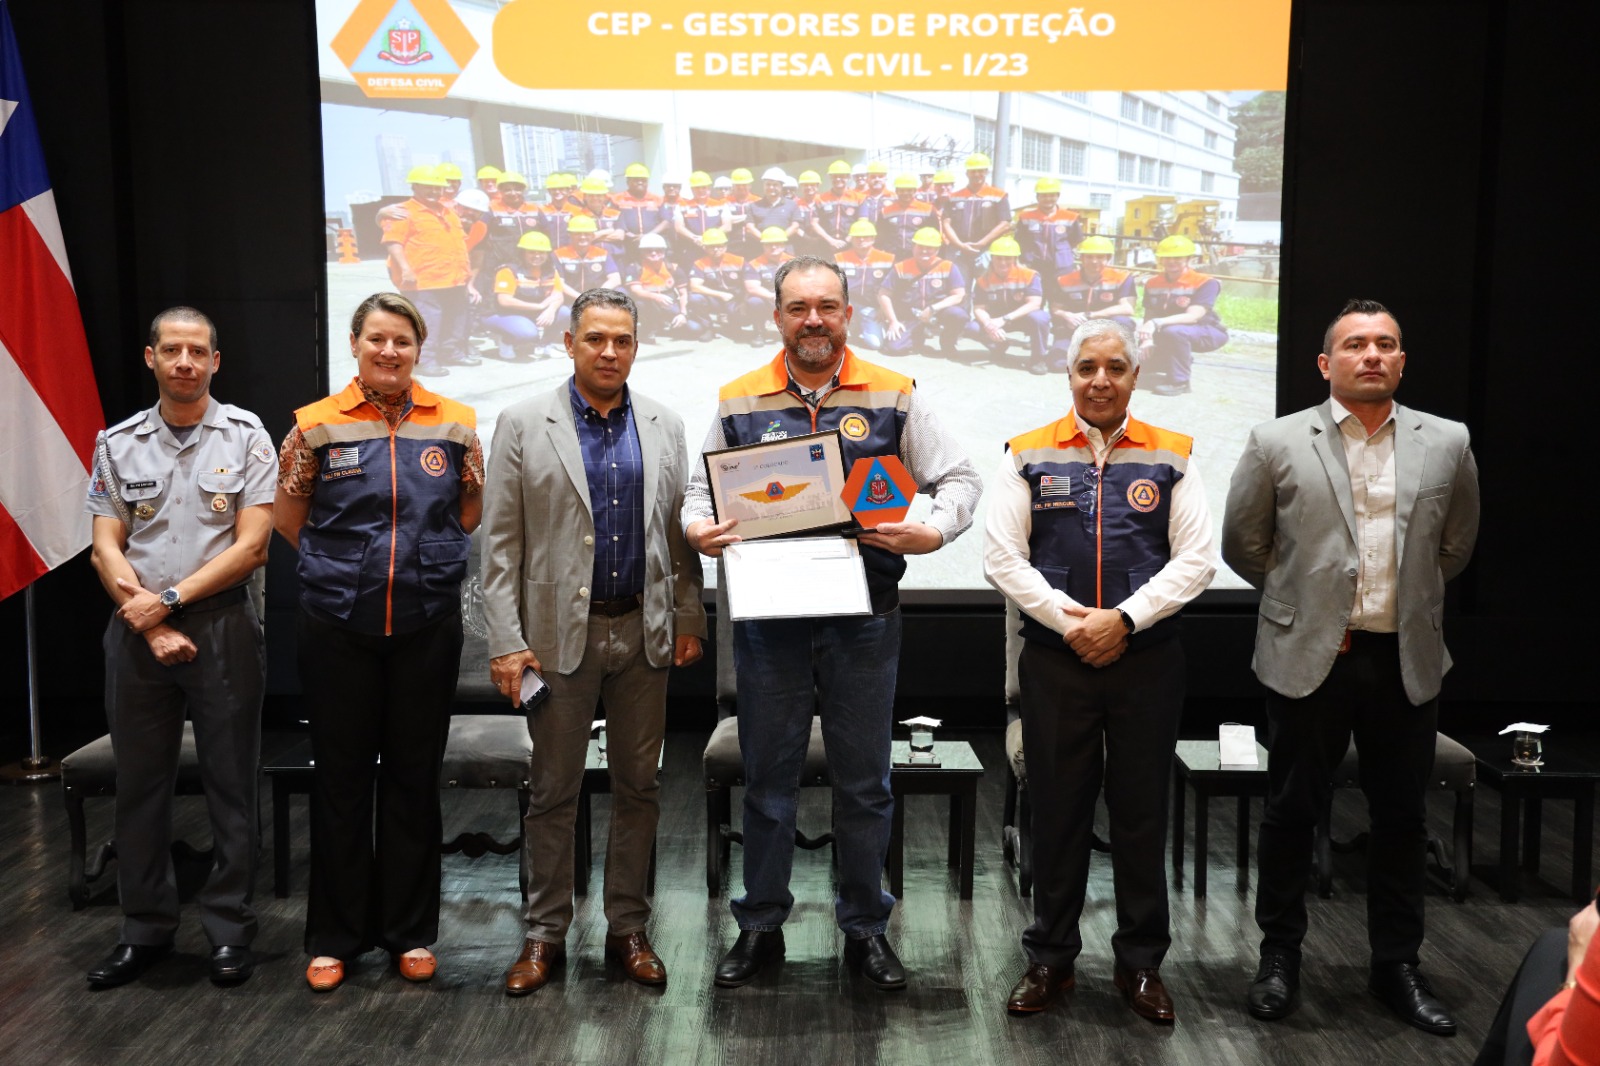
[[1350, 517], [588, 580]]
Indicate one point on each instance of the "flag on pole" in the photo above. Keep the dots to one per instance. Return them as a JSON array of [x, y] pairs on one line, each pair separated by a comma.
[[49, 408]]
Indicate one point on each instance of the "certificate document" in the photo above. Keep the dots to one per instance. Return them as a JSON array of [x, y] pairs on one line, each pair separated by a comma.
[[786, 486], [800, 577]]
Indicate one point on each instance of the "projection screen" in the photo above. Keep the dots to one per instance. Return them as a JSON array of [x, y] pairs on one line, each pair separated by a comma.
[[1154, 121]]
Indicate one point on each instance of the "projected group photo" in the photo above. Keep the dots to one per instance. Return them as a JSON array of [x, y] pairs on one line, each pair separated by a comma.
[[977, 229]]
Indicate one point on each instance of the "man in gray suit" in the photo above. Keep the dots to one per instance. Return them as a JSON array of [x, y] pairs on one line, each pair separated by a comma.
[[1350, 517], [587, 579]]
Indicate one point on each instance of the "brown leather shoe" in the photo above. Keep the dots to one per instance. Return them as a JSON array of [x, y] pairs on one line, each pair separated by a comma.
[[1038, 988], [533, 967], [1146, 994], [637, 958]]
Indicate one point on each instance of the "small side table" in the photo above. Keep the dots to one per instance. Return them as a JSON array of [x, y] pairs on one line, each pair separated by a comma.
[[290, 774], [1571, 768], [1195, 764], [956, 776]]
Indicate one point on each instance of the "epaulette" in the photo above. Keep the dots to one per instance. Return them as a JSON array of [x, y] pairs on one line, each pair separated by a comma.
[[239, 414]]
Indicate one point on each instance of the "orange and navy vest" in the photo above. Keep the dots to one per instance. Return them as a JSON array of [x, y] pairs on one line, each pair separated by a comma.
[[649, 278], [641, 215], [698, 217], [974, 215], [1047, 240], [866, 276], [913, 289], [1099, 533], [1163, 297], [521, 283], [868, 407], [763, 269], [586, 269], [900, 223], [383, 550], [1078, 296], [836, 211], [1001, 296], [724, 276]]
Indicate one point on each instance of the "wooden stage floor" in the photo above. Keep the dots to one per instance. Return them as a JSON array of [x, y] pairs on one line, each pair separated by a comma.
[[962, 959]]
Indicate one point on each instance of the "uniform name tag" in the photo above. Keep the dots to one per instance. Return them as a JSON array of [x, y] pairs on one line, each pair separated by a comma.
[[140, 485]]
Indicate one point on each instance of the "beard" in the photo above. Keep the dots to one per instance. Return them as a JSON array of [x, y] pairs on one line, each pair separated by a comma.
[[814, 350]]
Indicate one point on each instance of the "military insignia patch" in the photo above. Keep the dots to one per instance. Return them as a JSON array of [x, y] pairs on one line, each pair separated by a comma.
[[263, 452], [1144, 495]]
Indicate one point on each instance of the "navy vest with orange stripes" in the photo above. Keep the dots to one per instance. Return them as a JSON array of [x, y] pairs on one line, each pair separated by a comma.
[[383, 550], [1100, 533], [868, 408]]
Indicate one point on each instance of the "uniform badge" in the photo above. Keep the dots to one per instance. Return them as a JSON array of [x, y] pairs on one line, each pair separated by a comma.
[[774, 431], [434, 460], [343, 457], [854, 427], [1144, 495], [98, 488], [144, 511], [1055, 485], [263, 452], [1061, 227], [937, 283], [219, 503], [1182, 301]]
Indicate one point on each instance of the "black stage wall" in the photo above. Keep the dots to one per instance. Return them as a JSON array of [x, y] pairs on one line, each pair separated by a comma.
[[1431, 149]]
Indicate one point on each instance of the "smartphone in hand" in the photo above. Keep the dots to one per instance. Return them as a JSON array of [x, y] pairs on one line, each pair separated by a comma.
[[534, 690]]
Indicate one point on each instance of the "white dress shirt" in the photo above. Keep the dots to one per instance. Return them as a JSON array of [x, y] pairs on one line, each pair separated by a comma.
[[1370, 457], [1009, 522]]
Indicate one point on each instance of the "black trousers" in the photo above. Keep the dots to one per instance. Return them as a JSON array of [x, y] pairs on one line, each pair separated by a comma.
[[1080, 726], [220, 690], [370, 696], [1363, 696]]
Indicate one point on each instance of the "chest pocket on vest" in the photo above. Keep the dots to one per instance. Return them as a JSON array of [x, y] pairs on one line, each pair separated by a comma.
[[219, 496]]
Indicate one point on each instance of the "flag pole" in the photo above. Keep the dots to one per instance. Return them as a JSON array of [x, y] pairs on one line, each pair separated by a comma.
[[36, 767]]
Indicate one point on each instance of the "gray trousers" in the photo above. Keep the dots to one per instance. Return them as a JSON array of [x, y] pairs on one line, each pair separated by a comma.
[[221, 691], [614, 669]]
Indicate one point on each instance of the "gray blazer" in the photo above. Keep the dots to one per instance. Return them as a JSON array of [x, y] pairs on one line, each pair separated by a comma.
[[1290, 531], [539, 553]]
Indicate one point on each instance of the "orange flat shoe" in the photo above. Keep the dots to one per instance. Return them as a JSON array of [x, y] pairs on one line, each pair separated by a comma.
[[417, 967], [325, 976]]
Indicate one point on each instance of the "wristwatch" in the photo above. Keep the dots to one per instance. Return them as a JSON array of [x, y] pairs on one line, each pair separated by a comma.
[[1125, 619], [171, 600]]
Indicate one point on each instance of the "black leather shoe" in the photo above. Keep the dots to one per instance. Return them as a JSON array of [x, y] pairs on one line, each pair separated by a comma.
[[1402, 988], [231, 964], [876, 961], [126, 963], [1275, 992], [753, 950]]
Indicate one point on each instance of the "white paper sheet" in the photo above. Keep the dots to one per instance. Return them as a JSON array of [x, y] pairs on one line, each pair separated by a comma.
[[802, 578], [1236, 744]]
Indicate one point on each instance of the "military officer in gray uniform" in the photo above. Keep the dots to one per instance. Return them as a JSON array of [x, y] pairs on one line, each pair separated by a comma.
[[182, 505]]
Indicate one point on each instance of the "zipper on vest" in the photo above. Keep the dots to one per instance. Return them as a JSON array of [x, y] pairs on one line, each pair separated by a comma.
[[1099, 517], [394, 526], [821, 401]]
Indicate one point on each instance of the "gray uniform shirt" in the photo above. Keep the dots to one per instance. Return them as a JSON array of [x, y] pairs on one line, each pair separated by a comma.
[[180, 500]]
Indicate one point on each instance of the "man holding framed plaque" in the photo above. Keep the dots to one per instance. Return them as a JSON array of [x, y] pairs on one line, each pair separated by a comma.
[[840, 667]]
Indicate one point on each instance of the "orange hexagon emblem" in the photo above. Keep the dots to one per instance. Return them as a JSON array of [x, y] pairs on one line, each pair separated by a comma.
[[1144, 495], [434, 461]]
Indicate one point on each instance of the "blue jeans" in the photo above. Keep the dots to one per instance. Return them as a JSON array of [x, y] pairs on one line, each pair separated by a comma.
[[844, 669]]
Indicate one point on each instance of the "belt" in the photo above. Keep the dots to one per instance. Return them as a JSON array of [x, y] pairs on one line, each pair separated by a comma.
[[616, 608], [225, 598]]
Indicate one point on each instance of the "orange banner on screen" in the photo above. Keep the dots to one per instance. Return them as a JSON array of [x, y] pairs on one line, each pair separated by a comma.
[[1145, 44]]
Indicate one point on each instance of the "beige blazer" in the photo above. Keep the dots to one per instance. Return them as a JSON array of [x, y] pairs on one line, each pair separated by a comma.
[[538, 556], [1290, 530]]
